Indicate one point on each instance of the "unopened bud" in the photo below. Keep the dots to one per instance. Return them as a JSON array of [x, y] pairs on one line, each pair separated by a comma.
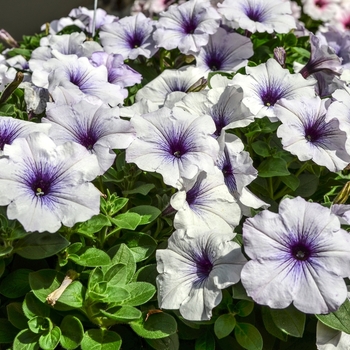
[[7, 38], [279, 53]]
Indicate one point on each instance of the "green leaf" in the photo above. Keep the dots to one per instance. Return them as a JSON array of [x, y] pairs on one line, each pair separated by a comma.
[[159, 325], [39, 324], [248, 336], [167, 343], [113, 204], [115, 294], [90, 257], [270, 324], [50, 339], [205, 342], [273, 167], [44, 282], [127, 220], [7, 331], [122, 313], [16, 316], [238, 292], [95, 276], [121, 254], [2, 266], [101, 339], [72, 332], [26, 340], [32, 307], [119, 274], [308, 185], [140, 293], [147, 212], [291, 181], [290, 320], [5, 251], [72, 297], [15, 284], [244, 308], [40, 245], [261, 148], [95, 224], [143, 189], [224, 325], [146, 273], [300, 51], [339, 319], [141, 245]]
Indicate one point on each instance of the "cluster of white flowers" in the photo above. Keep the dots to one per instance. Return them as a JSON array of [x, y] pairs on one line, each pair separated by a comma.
[[300, 255]]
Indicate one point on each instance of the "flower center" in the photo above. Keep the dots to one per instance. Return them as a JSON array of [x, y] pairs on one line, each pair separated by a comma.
[[270, 95], [300, 251], [254, 13], [203, 266], [135, 40], [41, 186], [189, 25], [320, 3], [316, 130]]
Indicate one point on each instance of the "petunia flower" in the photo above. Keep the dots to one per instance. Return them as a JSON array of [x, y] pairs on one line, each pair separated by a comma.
[[173, 143], [193, 270], [118, 72], [94, 126], [186, 26], [205, 201], [226, 52], [45, 185], [130, 37], [66, 44], [259, 15], [323, 10], [11, 128], [310, 132], [170, 81], [86, 16], [299, 256], [81, 78], [238, 171], [268, 82]]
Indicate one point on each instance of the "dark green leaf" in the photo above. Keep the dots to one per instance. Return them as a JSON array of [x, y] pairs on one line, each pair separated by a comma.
[[90, 257], [7, 331], [72, 332], [32, 307], [15, 284], [101, 339], [244, 308], [122, 313], [261, 148], [147, 212], [140, 293], [205, 342], [289, 320], [141, 245], [143, 189], [339, 319], [39, 324], [159, 325], [127, 220], [40, 245], [248, 336], [291, 181], [16, 316], [273, 167], [224, 325], [50, 340], [308, 185], [95, 224], [167, 343], [270, 324], [26, 340]]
